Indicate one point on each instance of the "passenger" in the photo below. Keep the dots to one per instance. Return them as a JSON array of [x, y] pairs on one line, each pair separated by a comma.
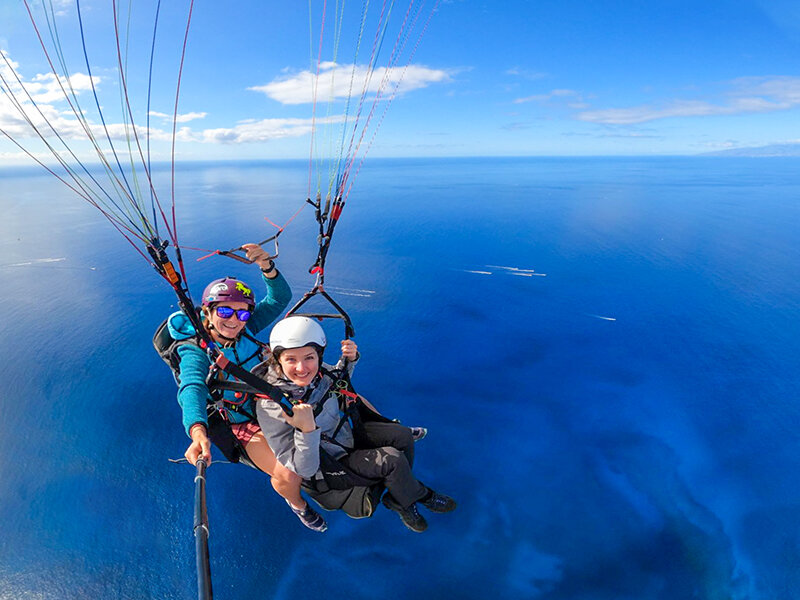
[[230, 316], [376, 450]]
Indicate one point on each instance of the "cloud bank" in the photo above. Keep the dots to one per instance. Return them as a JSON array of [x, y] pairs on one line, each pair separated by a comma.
[[48, 111], [36, 99], [264, 130], [745, 95], [343, 81], [40, 104]]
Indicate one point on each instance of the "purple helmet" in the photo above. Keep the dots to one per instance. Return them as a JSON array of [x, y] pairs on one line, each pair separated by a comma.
[[228, 289]]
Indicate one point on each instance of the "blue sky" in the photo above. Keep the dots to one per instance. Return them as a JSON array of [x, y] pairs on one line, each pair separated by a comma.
[[573, 77]]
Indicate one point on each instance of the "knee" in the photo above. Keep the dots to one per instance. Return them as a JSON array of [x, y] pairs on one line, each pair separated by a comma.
[[392, 451], [398, 435], [404, 438], [391, 455], [282, 475]]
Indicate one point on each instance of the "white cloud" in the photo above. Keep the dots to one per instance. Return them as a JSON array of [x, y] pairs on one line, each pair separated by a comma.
[[62, 7], [124, 132], [264, 130], [47, 111], [15, 156], [185, 118], [50, 114], [642, 114], [47, 88], [340, 81], [559, 93], [785, 89], [16, 125], [37, 99], [746, 95]]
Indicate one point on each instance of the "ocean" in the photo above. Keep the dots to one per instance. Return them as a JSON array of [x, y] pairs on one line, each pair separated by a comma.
[[604, 351]]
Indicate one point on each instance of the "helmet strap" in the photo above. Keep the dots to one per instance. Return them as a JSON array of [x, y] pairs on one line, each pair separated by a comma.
[[210, 327]]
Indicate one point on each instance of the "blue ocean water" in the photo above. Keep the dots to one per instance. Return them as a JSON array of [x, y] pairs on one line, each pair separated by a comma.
[[604, 351]]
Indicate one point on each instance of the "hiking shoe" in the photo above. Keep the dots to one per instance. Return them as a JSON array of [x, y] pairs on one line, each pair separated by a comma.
[[438, 503], [309, 517], [410, 516], [417, 433]]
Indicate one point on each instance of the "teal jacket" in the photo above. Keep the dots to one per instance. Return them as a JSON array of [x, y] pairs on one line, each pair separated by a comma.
[[193, 394]]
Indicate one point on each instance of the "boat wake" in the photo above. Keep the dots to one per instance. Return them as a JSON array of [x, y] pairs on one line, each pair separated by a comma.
[[352, 292], [37, 261], [601, 317], [516, 271], [46, 262]]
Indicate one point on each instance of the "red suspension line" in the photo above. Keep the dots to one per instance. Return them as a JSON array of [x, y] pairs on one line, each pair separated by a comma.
[[396, 49], [397, 86]]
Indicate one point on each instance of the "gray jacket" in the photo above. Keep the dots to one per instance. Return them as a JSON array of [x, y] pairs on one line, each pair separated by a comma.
[[294, 449]]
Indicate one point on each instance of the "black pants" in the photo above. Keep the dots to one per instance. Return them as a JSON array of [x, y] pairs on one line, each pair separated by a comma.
[[386, 451], [220, 434]]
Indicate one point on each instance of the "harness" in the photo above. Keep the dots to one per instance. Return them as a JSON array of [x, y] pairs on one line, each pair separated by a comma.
[[332, 473], [167, 348], [242, 392], [218, 360], [348, 399]]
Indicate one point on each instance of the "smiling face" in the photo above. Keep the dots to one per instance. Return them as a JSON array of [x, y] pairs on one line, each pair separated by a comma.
[[224, 330], [300, 365]]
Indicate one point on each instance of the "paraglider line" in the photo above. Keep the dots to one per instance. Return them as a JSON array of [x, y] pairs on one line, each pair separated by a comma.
[[76, 108], [314, 94], [397, 86], [124, 85], [149, 97], [18, 105], [174, 135]]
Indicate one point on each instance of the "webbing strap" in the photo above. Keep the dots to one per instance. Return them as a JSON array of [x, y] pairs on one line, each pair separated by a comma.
[[347, 397], [348, 413], [330, 439], [158, 252], [259, 385], [219, 361], [262, 346]]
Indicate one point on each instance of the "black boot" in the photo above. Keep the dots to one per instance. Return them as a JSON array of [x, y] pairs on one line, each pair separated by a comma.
[[438, 503], [410, 516]]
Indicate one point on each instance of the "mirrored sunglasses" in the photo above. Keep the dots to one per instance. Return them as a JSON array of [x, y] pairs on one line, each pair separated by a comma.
[[226, 312]]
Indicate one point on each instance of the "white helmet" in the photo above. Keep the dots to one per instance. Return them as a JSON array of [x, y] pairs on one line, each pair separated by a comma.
[[296, 332]]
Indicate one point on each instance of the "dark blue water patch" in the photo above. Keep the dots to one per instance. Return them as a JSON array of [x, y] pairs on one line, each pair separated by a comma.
[[775, 549]]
